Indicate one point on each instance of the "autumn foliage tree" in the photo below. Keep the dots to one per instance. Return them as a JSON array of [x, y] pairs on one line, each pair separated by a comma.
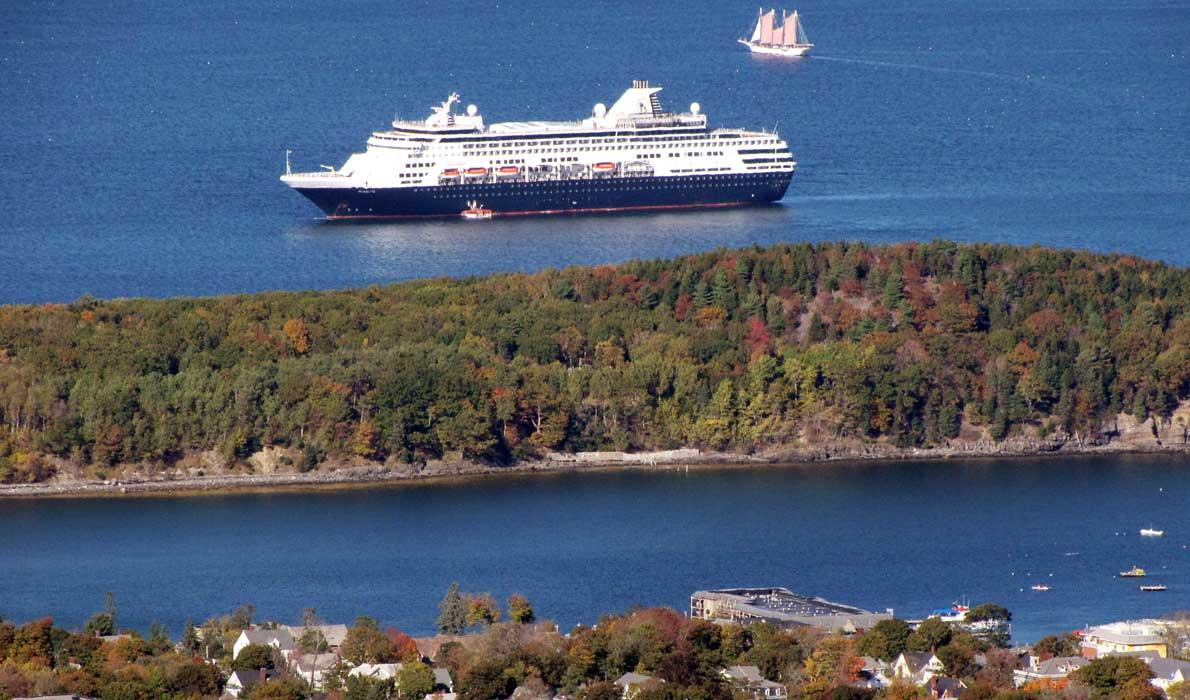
[[913, 345]]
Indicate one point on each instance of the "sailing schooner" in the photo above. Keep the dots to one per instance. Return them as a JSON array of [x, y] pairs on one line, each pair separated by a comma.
[[789, 39]]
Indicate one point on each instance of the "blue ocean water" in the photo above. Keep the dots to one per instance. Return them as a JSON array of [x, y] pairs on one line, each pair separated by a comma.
[[140, 143], [910, 536]]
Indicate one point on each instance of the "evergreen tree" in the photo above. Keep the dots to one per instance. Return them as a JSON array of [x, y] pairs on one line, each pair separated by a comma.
[[190, 641], [452, 618]]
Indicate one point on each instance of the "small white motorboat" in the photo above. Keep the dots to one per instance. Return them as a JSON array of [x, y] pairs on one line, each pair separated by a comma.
[[476, 212], [1150, 532]]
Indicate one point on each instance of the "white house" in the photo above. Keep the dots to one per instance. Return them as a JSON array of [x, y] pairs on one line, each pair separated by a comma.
[[874, 673], [313, 668], [917, 666], [278, 639], [1166, 672], [242, 680]]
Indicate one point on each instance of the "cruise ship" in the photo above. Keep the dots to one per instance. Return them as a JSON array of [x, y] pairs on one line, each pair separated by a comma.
[[631, 156]]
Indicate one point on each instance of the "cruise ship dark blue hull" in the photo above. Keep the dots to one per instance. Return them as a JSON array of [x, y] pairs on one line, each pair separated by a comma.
[[552, 196]]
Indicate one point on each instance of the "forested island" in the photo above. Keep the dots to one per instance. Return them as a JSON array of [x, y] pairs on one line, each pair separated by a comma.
[[745, 352]]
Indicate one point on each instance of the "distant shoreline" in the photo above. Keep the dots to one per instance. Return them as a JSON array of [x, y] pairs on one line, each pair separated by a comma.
[[355, 477]]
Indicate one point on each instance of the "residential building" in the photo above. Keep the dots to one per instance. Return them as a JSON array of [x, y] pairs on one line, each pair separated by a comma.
[[874, 673], [1129, 636], [333, 634], [782, 607], [278, 639], [382, 672], [749, 680], [1166, 672], [943, 688], [631, 684], [314, 668], [917, 667], [243, 680], [443, 681], [1051, 670]]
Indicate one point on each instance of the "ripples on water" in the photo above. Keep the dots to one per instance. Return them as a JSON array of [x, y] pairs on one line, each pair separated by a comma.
[[911, 536]]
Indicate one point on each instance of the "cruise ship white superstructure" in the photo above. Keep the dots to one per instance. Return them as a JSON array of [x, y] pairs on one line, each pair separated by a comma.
[[631, 156]]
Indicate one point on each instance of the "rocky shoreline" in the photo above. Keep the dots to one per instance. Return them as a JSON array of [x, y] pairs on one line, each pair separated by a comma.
[[349, 476]]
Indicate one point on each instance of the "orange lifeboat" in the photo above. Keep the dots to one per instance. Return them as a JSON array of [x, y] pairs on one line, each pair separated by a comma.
[[450, 172], [508, 171], [476, 172], [603, 167]]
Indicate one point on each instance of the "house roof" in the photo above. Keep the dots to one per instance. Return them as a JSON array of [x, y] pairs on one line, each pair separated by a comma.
[[278, 638], [306, 663], [333, 634], [1060, 665], [1131, 632], [1168, 668], [381, 671], [442, 677], [247, 679], [524, 693], [633, 678], [941, 685], [747, 674], [916, 660]]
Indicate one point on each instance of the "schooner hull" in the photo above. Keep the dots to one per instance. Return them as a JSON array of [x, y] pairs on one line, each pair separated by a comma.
[[770, 50]]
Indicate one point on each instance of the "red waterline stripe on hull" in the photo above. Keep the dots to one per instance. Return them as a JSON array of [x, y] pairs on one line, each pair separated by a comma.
[[536, 212]]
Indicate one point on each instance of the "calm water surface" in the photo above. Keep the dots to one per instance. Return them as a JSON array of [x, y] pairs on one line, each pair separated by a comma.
[[142, 142], [911, 536]]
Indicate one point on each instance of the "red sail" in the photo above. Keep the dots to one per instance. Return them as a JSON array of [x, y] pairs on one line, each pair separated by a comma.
[[789, 27], [766, 28]]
